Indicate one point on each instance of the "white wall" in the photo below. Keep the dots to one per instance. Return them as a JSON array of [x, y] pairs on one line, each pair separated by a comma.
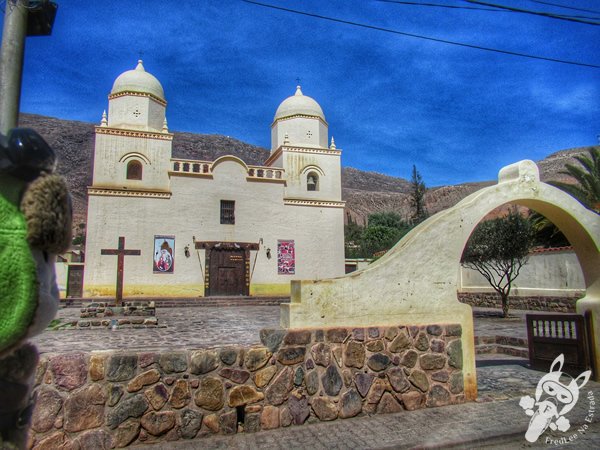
[[113, 152], [551, 273], [301, 130], [194, 210]]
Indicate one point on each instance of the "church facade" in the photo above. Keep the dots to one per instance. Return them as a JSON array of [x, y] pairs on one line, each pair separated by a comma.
[[209, 228]]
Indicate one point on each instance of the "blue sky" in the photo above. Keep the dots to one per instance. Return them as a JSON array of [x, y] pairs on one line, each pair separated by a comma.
[[391, 101]]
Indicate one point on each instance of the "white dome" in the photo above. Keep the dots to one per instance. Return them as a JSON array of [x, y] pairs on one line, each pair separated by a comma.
[[299, 104], [138, 80]]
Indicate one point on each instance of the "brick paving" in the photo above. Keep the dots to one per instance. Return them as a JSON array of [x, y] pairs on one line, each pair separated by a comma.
[[494, 421]]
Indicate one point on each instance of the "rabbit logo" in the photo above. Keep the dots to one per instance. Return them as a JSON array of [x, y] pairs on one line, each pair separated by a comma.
[[553, 399]]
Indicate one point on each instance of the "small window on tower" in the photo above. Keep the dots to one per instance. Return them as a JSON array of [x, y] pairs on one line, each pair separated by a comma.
[[312, 182], [134, 170], [227, 212]]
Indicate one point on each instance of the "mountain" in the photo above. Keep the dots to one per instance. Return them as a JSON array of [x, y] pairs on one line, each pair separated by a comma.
[[364, 192]]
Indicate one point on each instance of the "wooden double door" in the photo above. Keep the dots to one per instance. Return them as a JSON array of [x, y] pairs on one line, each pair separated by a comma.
[[227, 272], [227, 267]]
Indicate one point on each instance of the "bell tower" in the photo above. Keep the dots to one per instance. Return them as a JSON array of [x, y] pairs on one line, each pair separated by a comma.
[[133, 143], [299, 144]]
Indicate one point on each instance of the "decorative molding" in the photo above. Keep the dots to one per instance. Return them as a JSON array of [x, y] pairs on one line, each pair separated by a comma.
[[209, 245], [317, 203], [301, 116], [134, 133], [319, 150], [267, 180], [181, 173], [137, 155], [291, 148], [127, 193], [138, 94]]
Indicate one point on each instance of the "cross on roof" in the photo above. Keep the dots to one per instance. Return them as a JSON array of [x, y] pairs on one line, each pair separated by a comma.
[[121, 252]]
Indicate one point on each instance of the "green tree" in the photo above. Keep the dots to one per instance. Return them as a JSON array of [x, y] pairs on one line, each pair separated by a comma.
[[383, 231], [387, 219], [377, 238], [498, 249], [586, 191], [352, 239], [587, 177], [417, 197], [547, 234], [79, 238]]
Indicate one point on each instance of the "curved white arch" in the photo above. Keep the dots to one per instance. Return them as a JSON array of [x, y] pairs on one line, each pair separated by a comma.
[[225, 158], [137, 155], [312, 168], [417, 281]]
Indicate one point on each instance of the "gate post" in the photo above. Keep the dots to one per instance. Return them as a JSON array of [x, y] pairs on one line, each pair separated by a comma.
[[591, 307]]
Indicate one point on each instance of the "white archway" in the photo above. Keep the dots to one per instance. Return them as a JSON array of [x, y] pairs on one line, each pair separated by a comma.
[[417, 281]]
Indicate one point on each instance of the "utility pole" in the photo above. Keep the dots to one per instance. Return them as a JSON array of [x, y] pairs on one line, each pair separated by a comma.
[[11, 62]]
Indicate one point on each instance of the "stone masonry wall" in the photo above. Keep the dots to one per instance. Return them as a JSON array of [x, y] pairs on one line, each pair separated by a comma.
[[533, 303], [114, 399]]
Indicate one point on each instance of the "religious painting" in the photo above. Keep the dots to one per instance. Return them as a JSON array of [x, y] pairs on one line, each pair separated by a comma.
[[286, 257], [164, 254]]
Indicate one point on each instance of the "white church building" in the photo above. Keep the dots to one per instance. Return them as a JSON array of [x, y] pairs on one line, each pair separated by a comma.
[[210, 228]]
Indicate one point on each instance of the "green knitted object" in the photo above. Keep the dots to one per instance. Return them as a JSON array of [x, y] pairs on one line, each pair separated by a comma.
[[18, 277]]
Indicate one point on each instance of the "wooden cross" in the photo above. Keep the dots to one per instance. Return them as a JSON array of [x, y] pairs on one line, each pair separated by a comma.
[[120, 252]]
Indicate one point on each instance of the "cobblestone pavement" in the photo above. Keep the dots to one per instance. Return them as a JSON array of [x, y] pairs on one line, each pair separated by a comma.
[[488, 322], [495, 421], [194, 327], [191, 327]]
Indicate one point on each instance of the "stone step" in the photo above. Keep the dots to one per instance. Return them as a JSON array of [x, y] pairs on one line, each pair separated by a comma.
[[486, 349], [513, 351], [501, 340], [112, 323], [506, 345]]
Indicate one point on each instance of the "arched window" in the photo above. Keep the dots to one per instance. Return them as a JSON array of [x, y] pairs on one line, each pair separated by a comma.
[[312, 182], [134, 170]]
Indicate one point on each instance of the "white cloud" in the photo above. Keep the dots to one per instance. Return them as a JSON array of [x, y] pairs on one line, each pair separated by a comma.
[[579, 99]]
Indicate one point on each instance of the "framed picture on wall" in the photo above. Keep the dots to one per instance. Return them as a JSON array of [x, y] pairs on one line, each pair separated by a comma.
[[286, 257], [164, 254]]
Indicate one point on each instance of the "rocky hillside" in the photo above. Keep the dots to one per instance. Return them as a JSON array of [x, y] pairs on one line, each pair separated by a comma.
[[364, 192]]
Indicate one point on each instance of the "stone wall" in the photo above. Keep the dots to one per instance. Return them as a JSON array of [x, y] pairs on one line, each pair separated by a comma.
[[531, 303], [103, 309], [103, 399]]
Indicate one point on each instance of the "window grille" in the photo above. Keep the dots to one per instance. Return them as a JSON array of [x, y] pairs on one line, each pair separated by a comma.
[[227, 212]]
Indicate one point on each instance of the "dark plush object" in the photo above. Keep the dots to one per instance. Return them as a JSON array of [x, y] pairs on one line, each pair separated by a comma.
[[35, 225], [46, 206]]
